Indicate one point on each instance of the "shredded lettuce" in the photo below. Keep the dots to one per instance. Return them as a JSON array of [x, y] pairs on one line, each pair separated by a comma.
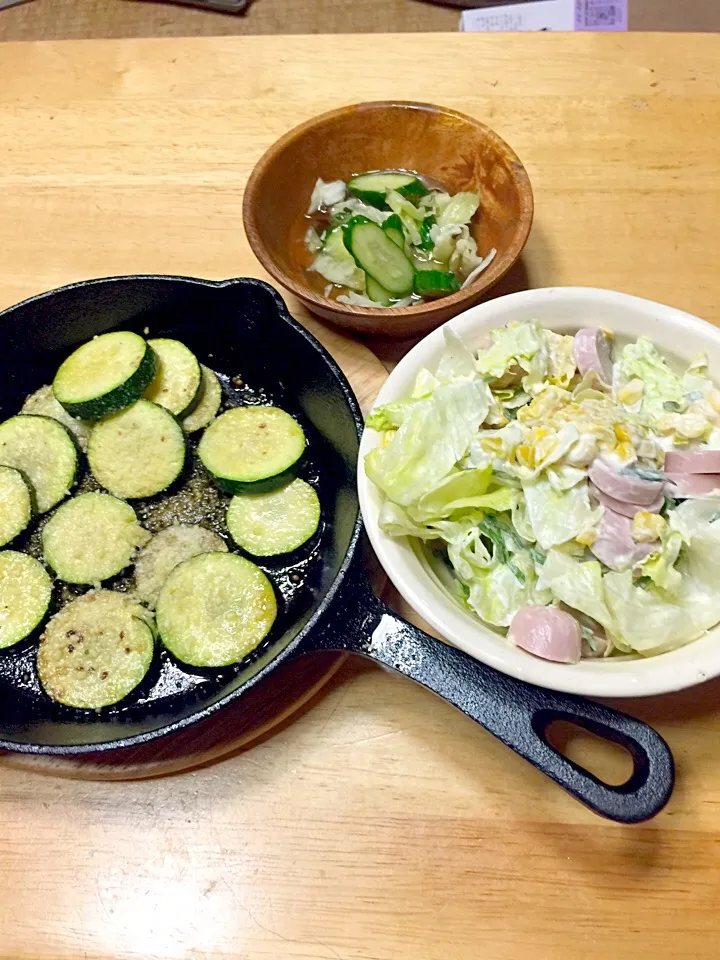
[[336, 264]]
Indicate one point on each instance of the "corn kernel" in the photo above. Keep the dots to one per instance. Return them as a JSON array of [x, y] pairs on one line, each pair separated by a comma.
[[621, 433], [587, 538], [648, 527], [631, 393], [525, 456]]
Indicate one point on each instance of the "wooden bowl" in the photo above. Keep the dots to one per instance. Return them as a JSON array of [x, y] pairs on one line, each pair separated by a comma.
[[457, 150]]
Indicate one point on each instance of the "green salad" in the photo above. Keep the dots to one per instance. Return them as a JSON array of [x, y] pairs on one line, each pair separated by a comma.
[[566, 491], [386, 239]]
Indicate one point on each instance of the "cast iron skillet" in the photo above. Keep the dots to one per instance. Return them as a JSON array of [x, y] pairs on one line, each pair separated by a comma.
[[241, 328]]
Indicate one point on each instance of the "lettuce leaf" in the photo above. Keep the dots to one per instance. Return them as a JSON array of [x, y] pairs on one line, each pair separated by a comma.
[[457, 360], [557, 516], [496, 594], [516, 343], [577, 584], [642, 361], [435, 435], [461, 490], [390, 416]]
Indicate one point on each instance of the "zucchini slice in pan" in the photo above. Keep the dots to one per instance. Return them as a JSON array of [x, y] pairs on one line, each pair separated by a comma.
[[137, 452], [215, 609], [43, 450], [43, 403], [165, 551], [16, 507], [92, 538], [268, 524], [95, 650], [105, 374], [208, 403], [252, 449], [177, 381], [25, 592]]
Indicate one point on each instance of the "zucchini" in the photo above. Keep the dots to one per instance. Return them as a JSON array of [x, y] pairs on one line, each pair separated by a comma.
[[178, 378], [137, 452], [435, 283], [165, 551], [379, 257], [16, 508], [215, 609], [95, 651], [43, 450], [252, 448], [208, 403], [426, 242], [105, 374], [268, 524], [377, 293], [92, 538], [373, 188], [25, 593], [394, 229], [43, 403]]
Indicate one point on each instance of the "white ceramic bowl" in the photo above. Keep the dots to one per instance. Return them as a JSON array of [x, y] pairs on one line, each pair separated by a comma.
[[564, 309]]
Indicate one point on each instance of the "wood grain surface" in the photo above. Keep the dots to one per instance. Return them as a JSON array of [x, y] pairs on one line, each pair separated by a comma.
[[381, 824]]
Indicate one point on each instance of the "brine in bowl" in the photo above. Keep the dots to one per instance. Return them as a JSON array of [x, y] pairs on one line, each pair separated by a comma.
[[671, 655]]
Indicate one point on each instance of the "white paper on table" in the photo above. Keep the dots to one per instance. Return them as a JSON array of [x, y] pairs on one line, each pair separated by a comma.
[[548, 15]]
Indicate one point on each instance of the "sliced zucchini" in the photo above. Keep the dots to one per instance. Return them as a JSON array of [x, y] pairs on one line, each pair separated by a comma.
[[268, 524], [165, 551], [377, 293], [394, 229], [95, 650], [379, 257], [105, 374], [137, 452], [43, 403], [208, 403], [215, 609], [92, 538], [249, 446], [178, 378], [372, 188], [25, 592], [43, 450], [435, 283], [16, 506]]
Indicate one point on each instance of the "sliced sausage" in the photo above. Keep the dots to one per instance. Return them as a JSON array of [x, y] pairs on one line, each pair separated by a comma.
[[685, 486], [624, 487], [548, 633], [614, 545], [626, 509], [592, 352], [693, 461]]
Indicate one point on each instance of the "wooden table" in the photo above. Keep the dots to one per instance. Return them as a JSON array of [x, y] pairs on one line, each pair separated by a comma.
[[381, 824]]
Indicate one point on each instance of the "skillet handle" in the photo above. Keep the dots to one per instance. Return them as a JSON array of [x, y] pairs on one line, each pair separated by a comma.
[[516, 712]]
